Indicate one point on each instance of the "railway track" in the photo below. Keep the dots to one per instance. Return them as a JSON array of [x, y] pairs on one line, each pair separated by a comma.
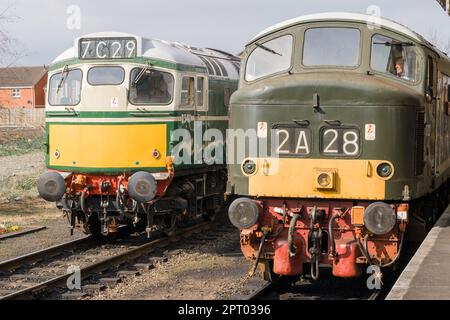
[[20, 233], [45, 272]]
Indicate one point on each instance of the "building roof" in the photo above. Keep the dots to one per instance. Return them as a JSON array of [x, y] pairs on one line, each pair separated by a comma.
[[342, 16], [21, 76]]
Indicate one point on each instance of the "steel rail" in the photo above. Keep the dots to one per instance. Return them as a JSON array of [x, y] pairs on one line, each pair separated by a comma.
[[106, 264], [259, 293], [15, 234], [14, 263]]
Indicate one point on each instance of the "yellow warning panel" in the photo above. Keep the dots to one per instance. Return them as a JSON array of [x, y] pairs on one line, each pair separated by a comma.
[[107, 145]]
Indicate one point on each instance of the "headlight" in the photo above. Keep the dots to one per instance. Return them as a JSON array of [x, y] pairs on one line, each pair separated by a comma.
[[324, 180], [249, 167], [384, 170], [379, 218], [243, 213]]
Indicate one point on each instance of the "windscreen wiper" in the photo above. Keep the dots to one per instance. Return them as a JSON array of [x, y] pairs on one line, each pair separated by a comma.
[[268, 49], [141, 74], [63, 78], [396, 43]]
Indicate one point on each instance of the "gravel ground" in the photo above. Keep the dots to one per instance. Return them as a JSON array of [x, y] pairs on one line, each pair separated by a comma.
[[211, 271], [24, 165], [19, 204], [34, 213], [198, 271]]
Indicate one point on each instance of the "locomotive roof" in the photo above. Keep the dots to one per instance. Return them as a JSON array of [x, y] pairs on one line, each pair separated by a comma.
[[174, 52], [342, 16], [353, 17]]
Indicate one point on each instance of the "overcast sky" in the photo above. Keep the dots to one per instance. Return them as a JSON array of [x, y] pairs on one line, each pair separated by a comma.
[[41, 27]]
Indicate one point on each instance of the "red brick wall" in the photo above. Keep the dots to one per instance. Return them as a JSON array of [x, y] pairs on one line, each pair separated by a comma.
[[35, 95], [7, 100]]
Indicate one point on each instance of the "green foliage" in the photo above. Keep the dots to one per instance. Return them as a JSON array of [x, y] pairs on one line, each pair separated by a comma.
[[15, 187], [22, 146]]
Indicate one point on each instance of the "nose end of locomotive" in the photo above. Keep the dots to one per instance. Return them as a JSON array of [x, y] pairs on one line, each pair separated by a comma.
[[142, 187], [51, 186]]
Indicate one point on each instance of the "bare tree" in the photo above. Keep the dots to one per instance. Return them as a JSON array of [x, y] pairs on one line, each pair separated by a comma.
[[9, 47]]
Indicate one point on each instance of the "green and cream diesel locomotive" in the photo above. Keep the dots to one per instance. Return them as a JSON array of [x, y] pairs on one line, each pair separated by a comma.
[[351, 120], [116, 104]]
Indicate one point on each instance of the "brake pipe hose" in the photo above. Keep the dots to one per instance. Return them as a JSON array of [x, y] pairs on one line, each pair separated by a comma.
[[363, 250], [331, 235], [258, 256], [292, 248], [400, 246]]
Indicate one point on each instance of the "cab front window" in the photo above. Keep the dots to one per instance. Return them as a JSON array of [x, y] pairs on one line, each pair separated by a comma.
[[395, 58], [151, 86], [269, 58], [65, 88], [102, 76], [331, 47]]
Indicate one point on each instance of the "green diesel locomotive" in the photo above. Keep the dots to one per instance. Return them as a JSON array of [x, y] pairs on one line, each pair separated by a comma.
[[346, 144], [130, 123]]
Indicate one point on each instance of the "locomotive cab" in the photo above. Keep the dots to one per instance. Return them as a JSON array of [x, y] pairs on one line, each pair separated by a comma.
[[342, 151]]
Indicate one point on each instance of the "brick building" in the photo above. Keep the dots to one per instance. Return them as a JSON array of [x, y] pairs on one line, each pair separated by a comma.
[[22, 87]]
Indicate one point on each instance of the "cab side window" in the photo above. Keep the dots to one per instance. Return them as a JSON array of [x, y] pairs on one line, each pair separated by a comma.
[[395, 57], [187, 91], [200, 91]]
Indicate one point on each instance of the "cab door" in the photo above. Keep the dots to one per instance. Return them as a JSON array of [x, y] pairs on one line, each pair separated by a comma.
[[431, 117]]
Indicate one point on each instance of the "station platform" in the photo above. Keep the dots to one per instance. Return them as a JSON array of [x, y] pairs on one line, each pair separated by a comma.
[[427, 276]]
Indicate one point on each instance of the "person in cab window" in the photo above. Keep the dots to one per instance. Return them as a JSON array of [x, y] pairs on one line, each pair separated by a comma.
[[400, 68]]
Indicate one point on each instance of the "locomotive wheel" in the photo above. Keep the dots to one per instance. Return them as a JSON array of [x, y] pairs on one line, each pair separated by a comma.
[[173, 222], [212, 213], [92, 227]]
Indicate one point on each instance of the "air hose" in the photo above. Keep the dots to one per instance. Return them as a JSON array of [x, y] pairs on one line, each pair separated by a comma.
[[119, 205], [331, 235], [400, 246], [292, 248], [363, 250], [258, 255], [83, 201]]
